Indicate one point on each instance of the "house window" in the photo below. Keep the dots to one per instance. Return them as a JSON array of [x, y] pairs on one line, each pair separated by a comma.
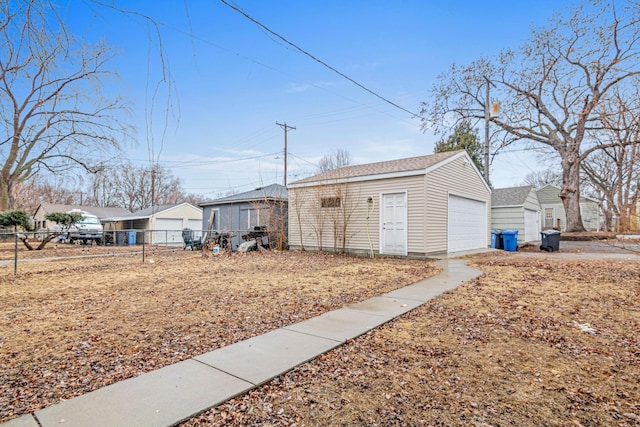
[[253, 218], [330, 202], [548, 213]]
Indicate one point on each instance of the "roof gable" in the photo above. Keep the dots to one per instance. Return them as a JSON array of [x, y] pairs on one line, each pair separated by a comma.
[[408, 166], [270, 192], [512, 196], [551, 190]]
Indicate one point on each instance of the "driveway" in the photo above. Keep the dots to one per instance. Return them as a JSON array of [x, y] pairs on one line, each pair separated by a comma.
[[599, 249]]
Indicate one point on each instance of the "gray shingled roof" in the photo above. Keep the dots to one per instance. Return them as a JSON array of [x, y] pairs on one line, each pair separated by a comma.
[[146, 213], [379, 168], [513, 196], [100, 212], [270, 192]]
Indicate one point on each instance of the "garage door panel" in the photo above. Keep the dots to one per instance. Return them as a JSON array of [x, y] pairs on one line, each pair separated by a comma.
[[466, 224], [168, 231]]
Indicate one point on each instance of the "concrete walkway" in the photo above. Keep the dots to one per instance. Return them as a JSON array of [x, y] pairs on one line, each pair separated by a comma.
[[178, 392]]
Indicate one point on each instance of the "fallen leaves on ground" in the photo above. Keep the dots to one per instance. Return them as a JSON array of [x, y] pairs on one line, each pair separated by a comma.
[[70, 327], [504, 349]]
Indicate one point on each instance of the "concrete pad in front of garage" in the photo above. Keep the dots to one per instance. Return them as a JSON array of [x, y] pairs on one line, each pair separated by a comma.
[[340, 325], [159, 398], [262, 358], [388, 307]]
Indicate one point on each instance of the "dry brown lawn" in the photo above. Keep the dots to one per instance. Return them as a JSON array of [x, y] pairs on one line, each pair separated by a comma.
[[532, 342], [69, 327]]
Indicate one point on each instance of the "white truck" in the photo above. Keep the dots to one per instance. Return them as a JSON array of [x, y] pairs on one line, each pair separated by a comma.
[[89, 228]]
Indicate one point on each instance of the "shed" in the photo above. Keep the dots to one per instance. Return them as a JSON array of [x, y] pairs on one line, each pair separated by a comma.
[[412, 207], [553, 211], [243, 212], [516, 208], [46, 208], [165, 222]]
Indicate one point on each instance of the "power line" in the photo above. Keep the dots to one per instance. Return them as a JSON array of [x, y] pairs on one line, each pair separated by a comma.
[[316, 59]]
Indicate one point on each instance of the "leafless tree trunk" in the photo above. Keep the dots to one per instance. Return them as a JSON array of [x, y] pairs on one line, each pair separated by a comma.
[[53, 115], [553, 90], [297, 200]]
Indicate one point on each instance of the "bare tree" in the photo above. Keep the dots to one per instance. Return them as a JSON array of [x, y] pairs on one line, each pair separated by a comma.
[[334, 160], [104, 188], [297, 200], [614, 172], [553, 90], [136, 187], [539, 179], [53, 114], [36, 190]]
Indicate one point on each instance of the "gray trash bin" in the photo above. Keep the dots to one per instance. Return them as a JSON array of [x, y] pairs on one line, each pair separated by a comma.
[[550, 240], [120, 238]]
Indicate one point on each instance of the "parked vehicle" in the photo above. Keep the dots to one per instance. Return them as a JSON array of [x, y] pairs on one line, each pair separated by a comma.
[[89, 228]]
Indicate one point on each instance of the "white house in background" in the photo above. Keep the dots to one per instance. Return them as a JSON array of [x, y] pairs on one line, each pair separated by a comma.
[[517, 208], [553, 214], [46, 208], [409, 207], [166, 223]]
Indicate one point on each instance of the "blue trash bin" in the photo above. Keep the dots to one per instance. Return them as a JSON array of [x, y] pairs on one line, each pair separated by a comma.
[[131, 237], [510, 240], [494, 238]]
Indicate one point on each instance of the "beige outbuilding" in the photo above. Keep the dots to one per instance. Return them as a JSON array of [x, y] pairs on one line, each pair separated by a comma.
[[414, 207]]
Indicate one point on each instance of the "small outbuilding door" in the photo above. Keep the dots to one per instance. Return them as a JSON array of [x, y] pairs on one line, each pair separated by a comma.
[[467, 224], [531, 225], [393, 224]]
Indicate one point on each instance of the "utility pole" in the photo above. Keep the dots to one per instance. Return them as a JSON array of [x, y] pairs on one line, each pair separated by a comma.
[[487, 118], [285, 127]]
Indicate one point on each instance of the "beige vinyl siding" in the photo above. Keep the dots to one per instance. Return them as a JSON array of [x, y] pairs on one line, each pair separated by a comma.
[[357, 238], [508, 218], [182, 212], [427, 197], [548, 195], [532, 202], [458, 178], [590, 216], [513, 217]]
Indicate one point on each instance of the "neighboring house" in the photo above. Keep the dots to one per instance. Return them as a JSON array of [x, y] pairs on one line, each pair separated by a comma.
[[46, 208], [517, 208], [243, 212], [409, 207], [553, 214], [166, 221]]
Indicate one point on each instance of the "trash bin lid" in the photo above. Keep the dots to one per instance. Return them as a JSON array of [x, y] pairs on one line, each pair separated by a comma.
[[510, 232], [549, 232]]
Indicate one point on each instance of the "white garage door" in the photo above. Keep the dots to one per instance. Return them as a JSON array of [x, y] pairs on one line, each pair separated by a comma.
[[196, 226], [531, 225], [467, 224], [168, 231]]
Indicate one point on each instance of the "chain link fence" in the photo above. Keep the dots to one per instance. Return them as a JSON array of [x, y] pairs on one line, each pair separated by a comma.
[[50, 251]]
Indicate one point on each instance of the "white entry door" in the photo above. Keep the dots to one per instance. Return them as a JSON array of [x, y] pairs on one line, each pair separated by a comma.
[[531, 225], [393, 224]]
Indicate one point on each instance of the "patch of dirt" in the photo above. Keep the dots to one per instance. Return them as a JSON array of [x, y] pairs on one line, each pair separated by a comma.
[[69, 327], [531, 342]]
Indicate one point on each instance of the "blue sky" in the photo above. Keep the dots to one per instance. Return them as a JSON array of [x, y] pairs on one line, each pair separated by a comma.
[[230, 81]]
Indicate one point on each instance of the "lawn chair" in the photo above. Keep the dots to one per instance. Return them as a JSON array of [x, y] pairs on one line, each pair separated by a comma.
[[190, 241]]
